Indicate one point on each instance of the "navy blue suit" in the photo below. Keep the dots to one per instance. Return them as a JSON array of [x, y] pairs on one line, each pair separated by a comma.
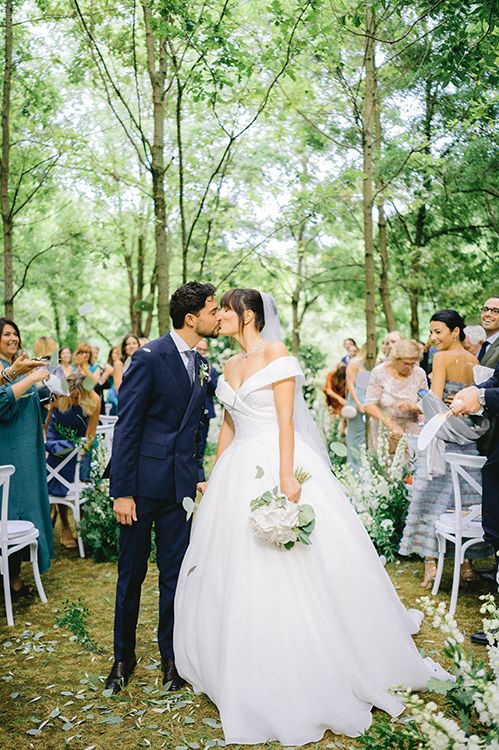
[[490, 471], [209, 408], [156, 460]]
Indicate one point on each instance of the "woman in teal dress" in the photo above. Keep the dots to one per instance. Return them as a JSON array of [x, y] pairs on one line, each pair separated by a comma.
[[22, 445]]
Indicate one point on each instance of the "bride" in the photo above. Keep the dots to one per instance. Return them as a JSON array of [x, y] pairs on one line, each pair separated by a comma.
[[287, 644]]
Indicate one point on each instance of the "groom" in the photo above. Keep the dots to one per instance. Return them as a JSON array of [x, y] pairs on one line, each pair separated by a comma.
[[154, 465]]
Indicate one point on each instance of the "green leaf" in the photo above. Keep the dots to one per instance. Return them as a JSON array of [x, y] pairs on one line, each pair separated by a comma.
[[339, 449], [306, 515], [88, 383], [259, 472], [189, 506], [213, 723], [441, 687]]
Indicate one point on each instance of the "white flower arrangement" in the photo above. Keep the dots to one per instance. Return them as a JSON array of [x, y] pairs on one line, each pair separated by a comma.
[[472, 700], [277, 520], [379, 493], [204, 372]]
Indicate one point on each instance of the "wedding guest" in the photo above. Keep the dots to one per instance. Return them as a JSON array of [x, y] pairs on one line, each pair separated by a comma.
[[489, 357], [392, 394], [474, 336], [44, 347], [74, 415], [65, 367], [335, 389], [21, 444], [351, 349], [209, 404], [82, 360], [489, 351], [129, 346], [143, 340], [356, 381], [107, 382], [432, 493], [388, 343]]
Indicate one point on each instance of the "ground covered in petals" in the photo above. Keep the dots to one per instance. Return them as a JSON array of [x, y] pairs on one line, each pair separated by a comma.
[[51, 687]]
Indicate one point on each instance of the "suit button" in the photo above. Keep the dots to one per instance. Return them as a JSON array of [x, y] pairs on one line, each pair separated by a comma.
[[177, 455]]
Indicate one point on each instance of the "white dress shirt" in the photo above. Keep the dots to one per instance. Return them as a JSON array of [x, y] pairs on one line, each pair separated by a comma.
[[181, 345], [493, 336]]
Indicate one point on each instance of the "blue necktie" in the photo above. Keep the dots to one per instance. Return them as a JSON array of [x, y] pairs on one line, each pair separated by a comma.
[[191, 361], [483, 349]]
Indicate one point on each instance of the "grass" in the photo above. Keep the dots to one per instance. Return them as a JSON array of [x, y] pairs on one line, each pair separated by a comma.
[[51, 686]]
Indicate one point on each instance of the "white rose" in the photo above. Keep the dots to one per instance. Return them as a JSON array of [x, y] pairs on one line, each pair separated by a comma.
[[387, 524], [274, 523]]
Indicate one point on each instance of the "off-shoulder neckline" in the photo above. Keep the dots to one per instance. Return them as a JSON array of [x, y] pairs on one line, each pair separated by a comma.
[[250, 377]]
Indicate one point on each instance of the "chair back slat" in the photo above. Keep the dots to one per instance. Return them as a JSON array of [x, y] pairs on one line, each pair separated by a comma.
[[6, 472], [53, 472]]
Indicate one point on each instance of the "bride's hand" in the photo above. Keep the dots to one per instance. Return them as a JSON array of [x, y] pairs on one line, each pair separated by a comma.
[[291, 487], [201, 487]]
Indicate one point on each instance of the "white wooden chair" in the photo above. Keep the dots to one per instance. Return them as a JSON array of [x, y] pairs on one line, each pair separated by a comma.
[[106, 429], [73, 499], [14, 536], [463, 528]]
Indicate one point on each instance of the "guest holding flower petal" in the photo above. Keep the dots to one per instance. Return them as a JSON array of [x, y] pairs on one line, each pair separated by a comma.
[[21, 444]]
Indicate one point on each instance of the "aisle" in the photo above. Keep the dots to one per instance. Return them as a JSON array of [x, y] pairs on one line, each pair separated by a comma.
[[51, 690]]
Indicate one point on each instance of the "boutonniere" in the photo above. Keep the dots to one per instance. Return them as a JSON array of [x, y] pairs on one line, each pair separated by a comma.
[[204, 372]]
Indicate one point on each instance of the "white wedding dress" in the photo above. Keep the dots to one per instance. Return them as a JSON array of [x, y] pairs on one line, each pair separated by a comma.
[[288, 644]]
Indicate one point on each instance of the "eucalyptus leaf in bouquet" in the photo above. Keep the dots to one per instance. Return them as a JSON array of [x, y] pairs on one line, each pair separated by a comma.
[[277, 520]]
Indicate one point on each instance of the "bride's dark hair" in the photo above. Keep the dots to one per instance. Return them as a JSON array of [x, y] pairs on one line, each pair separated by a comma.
[[241, 300]]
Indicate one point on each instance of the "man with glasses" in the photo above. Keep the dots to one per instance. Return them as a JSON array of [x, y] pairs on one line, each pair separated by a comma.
[[489, 351]]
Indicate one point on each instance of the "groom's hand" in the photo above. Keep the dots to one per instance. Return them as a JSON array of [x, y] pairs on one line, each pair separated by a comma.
[[125, 510]]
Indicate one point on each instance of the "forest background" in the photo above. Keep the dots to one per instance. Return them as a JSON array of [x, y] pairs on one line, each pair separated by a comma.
[[340, 155]]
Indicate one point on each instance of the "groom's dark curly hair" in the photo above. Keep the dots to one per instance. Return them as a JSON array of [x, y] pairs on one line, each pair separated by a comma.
[[189, 298]]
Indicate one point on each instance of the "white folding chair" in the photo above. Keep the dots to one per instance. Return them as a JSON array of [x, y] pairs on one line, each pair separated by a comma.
[[14, 536], [73, 499], [458, 525], [106, 429]]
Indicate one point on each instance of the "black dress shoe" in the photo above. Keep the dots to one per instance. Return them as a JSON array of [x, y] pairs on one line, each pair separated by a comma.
[[489, 575], [481, 639], [170, 675], [120, 673]]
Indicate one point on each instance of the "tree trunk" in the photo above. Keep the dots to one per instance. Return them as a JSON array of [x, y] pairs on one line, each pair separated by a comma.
[[7, 222], [140, 275], [157, 75], [380, 203], [419, 240], [367, 189], [55, 309]]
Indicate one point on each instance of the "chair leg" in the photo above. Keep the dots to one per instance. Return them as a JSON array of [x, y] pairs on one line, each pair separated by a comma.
[[33, 553], [77, 517], [6, 588], [456, 576], [442, 544]]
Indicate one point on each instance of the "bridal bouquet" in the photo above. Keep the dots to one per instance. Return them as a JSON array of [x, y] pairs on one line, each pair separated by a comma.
[[277, 520]]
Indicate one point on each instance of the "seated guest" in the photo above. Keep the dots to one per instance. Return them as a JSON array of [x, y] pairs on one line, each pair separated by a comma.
[[129, 346], [336, 389], [351, 349], [474, 338], [432, 490], [392, 394], [21, 444], [70, 417], [209, 406]]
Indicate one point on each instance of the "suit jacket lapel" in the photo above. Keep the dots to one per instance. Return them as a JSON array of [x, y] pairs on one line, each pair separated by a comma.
[[489, 354], [175, 364], [198, 391]]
